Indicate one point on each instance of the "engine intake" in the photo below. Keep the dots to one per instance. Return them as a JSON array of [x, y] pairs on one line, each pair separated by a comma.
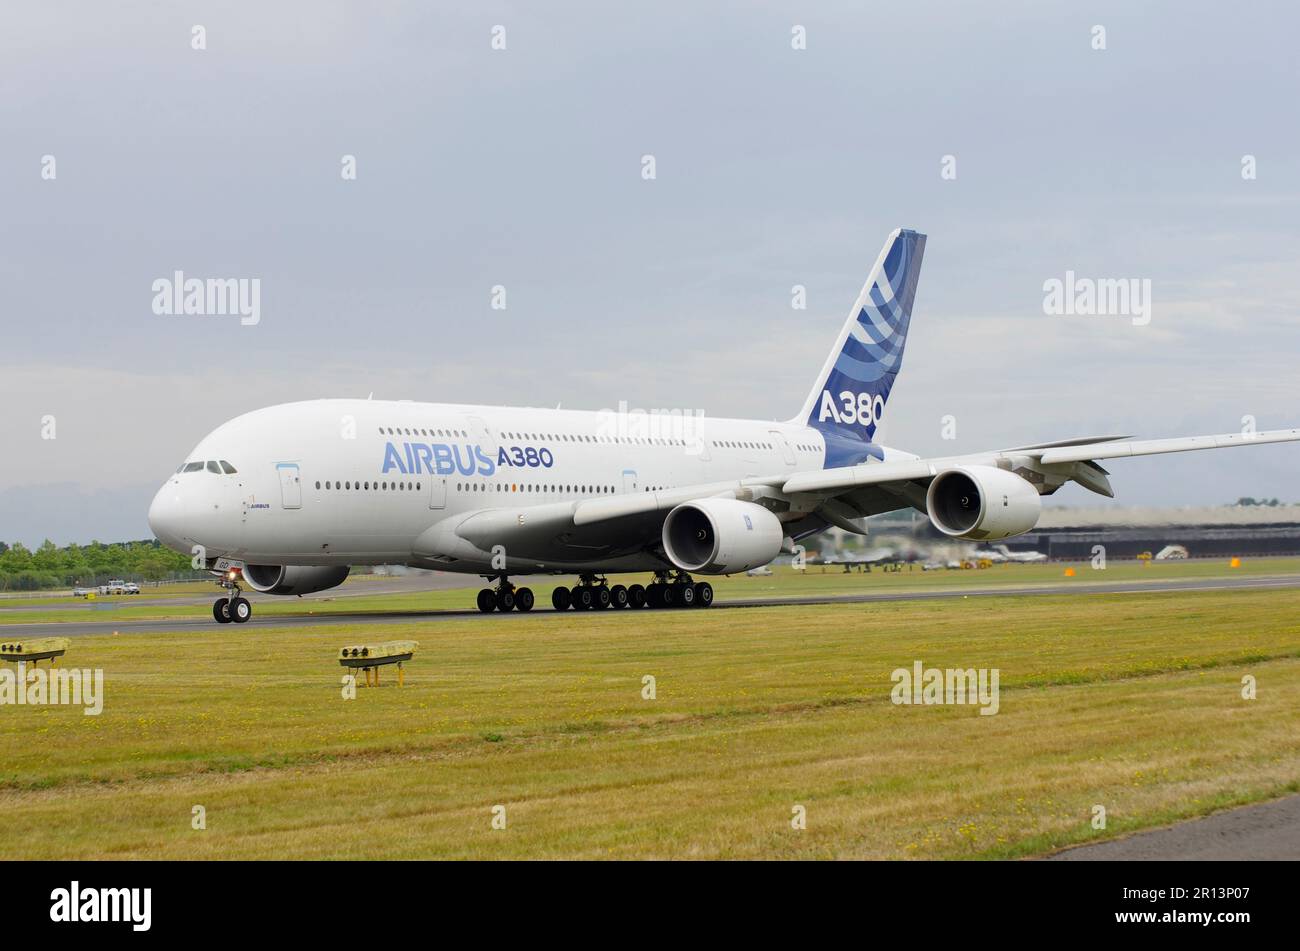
[[293, 579], [982, 502], [721, 536]]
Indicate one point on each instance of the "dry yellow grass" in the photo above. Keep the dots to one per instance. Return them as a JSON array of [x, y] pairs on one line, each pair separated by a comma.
[[1128, 701]]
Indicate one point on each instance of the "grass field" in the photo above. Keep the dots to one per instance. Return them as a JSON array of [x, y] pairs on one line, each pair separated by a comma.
[[1128, 701], [353, 596]]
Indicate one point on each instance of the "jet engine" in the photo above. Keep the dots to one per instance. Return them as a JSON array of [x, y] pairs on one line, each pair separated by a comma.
[[982, 502], [293, 579], [721, 536]]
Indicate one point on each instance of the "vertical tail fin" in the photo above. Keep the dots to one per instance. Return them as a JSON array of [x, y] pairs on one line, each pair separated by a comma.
[[849, 397]]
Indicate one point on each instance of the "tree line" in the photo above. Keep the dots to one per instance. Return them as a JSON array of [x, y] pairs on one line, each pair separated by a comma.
[[50, 566]]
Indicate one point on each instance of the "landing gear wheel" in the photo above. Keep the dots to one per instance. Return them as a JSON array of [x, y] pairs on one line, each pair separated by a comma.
[[221, 610], [684, 595], [487, 601], [505, 600], [583, 598], [601, 594], [618, 596], [652, 595], [666, 596], [636, 596], [524, 599], [703, 595], [240, 610], [561, 599]]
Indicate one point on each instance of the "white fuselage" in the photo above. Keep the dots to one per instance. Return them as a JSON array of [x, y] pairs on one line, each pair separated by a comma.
[[354, 482]]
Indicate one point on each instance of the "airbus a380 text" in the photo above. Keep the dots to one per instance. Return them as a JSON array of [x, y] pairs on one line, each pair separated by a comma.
[[287, 499]]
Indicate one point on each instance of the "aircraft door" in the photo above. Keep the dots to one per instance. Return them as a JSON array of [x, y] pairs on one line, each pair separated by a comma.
[[290, 485], [630, 483], [786, 452], [437, 491]]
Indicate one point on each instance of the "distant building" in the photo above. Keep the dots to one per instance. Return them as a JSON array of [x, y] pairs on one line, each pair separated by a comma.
[[1224, 530]]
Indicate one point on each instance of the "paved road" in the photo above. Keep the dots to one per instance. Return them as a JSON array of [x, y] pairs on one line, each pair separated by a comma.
[[203, 618], [1269, 830], [361, 587]]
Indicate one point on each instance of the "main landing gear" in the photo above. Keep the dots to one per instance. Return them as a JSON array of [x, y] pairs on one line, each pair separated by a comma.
[[595, 593], [506, 597], [231, 606]]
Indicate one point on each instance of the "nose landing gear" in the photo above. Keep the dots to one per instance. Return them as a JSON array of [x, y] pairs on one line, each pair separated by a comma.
[[232, 606]]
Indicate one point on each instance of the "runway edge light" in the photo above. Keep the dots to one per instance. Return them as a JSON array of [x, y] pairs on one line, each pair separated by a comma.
[[370, 657]]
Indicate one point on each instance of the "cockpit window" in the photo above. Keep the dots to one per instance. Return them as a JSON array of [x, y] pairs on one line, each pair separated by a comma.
[[227, 468], [193, 466], [213, 467]]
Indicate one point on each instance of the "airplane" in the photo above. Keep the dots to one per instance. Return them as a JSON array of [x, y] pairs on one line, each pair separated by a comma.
[[288, 498], [880, 555], [1001, 553]]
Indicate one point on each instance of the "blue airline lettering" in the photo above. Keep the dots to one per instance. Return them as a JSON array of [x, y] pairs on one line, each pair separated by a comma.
[[444, 459]]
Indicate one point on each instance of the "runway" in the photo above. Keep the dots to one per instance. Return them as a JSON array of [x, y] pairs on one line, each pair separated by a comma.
[[1269, 830], [203, 617]]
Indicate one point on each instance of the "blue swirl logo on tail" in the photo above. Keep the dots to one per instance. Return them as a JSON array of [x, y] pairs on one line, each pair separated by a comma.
[[848, 402]]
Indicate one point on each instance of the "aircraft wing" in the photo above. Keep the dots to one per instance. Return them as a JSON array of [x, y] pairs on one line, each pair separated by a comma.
[[840, 496], [1048, 459]]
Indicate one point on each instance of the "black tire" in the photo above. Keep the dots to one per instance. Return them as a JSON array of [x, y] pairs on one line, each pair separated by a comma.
[[703, 595], [601, 594], [685, 595], [524, 599], [561, 599], [241, 611], [505, 600], [636, 596], [487, 601], [652, 595], [221, 610], [582, 597], [667, 597], [618, 597]]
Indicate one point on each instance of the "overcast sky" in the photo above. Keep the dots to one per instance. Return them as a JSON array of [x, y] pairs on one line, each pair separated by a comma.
[[522, 167]]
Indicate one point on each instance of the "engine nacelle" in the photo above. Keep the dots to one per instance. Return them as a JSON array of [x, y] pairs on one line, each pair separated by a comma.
[[293, 579], [982, 502], [721, 536]]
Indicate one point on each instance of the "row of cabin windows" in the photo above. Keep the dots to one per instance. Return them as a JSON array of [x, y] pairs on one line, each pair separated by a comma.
[[350, 486], [347, 485], [418, 431], [534, 487], [607, 440], [544, 487], [562, 437], [211, 465]]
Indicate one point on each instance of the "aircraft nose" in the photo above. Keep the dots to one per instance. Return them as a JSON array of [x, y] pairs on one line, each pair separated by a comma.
[[165, 516]]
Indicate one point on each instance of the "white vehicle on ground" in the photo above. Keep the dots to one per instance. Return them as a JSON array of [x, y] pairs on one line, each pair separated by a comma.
[[277, 501]]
